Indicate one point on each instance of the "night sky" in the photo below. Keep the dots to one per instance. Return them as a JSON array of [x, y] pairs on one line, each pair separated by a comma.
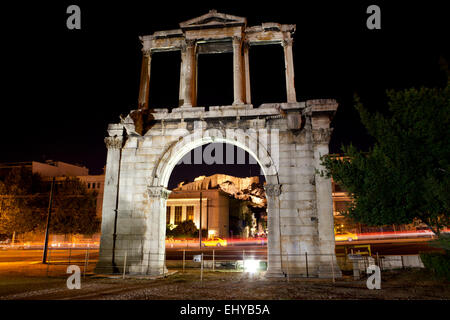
[[62, 87]]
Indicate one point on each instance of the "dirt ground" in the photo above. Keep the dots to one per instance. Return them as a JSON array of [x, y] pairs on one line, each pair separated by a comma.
[[399, 284]]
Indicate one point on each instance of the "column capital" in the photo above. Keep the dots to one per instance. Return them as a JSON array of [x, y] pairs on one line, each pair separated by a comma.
[[273, 190], [183, 47], [147, 52], [287, 42], [246, 44], [158, 192], [113, 142], [237, 41], [322, 135], [189, 43]]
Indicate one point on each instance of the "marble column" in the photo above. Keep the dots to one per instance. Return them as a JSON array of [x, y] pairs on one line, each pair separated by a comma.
[[144, 87], [328, 264], [182, 80], [238, 82], [248, 98], [153, 257], [189, 74], [110, 196], [289, 69], [274, 257]]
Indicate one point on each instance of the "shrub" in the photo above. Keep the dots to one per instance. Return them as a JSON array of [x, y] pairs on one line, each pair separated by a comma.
[[438, 263]]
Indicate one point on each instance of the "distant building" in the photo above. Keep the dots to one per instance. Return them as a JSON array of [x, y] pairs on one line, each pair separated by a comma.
[[217, 191], [95, 183], [48, 169], [185, 205], [60, 170]]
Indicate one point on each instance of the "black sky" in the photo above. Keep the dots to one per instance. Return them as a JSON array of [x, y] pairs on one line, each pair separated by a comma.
[[62, 87]]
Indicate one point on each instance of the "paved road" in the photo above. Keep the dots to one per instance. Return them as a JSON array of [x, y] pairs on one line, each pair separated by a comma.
[[33, 255], [382, 247]]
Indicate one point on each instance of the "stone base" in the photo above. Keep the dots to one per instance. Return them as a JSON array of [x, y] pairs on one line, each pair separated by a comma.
[[326, 272], [145, 270], [274, 274], [106, 268]]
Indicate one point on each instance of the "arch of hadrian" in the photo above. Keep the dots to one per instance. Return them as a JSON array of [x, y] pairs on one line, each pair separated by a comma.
[[287, 139]]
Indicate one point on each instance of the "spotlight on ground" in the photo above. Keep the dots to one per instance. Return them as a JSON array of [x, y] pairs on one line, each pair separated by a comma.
[[251, 266]]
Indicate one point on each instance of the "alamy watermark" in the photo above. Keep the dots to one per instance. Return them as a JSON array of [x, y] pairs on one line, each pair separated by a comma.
[[374, 281], [374, 20], [74, 280], [261, 144], [74, 19]]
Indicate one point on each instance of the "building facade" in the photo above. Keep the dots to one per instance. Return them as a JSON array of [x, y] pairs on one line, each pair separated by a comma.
[[185, 205], [59, 170]]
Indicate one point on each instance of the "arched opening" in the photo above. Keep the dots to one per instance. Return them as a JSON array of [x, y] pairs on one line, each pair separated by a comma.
[[218, 188]]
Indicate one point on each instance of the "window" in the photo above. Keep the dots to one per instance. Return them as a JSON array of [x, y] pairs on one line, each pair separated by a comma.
[[168, 214], [341, 206], [89, 185], [177, 215], [190, 213]]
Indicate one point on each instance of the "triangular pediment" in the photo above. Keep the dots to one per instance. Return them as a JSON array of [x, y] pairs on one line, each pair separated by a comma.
[[213, 18]]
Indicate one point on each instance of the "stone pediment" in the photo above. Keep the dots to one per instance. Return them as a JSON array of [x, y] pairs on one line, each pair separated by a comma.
[[213, 19]]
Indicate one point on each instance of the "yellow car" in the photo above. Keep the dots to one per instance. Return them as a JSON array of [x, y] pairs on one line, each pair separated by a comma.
[[346, 236], [215, 242]]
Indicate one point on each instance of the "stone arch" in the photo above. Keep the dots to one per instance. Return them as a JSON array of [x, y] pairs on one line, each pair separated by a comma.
[[137, 172], [175, 152]]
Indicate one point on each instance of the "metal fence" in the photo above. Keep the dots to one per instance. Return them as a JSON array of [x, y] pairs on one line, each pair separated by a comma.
[[28, 262], [306, 265], [131, 262]]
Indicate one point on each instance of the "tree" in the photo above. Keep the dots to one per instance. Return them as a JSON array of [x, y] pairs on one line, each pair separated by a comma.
[[240, 216], [24, 200], [406, 175], [74, 208], [185, 229]]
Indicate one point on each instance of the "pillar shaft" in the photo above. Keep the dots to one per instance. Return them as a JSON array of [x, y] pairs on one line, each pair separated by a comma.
[[153, 252], [248, 98], [105, 263], [289, 69], [144, 87], [274, 252], [238, 82], [189, 74], [324, 201], [182, 80]]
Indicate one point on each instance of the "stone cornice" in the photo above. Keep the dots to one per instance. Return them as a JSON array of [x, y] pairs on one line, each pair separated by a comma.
[[268, 109]]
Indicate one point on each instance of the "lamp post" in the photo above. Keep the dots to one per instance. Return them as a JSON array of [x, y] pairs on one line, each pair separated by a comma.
[[200, 223], [44, 256]]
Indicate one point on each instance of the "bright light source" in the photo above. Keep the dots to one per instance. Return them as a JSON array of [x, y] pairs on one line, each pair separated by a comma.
[[251, 265]]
